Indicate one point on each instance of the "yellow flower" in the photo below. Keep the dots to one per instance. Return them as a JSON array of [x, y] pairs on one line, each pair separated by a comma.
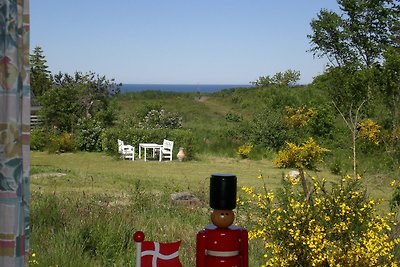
[[370, 130]]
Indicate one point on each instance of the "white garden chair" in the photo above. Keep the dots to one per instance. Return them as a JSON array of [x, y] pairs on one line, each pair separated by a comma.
[[126, 151], [166, 149]]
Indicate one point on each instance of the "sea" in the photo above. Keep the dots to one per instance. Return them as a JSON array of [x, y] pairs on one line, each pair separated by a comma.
[[181, 88]]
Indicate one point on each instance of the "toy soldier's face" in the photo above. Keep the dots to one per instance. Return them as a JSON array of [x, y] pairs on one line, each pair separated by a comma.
[[222, 218]]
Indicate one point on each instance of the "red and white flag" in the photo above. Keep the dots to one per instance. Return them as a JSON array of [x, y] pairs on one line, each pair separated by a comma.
[[155, 254]]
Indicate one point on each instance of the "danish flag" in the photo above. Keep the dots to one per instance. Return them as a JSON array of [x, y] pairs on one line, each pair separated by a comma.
[[154, 254]]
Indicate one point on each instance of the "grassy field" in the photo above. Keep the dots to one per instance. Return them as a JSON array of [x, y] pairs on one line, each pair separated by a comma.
[[86, 206], [138, 192], [102, 173]]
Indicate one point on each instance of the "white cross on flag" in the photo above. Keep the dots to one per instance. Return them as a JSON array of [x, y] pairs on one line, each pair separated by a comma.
[[155, 254]]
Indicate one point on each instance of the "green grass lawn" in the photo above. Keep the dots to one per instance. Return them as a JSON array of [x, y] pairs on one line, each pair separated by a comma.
[[87, 216], [95, 172], [99, 173]]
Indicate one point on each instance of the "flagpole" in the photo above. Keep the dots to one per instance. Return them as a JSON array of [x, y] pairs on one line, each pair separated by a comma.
[[138, 252], [138, 237]]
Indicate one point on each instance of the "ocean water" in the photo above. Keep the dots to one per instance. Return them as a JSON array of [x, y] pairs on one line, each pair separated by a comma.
[[202, 88]]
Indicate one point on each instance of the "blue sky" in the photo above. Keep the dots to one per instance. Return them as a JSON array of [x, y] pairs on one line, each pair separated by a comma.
[[178, 41]]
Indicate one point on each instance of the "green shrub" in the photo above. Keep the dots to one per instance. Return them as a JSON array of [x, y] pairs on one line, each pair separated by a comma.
[[395, 200], [161, 119], [233, 117], [222, 142], [88, 135], [268, 130], [185, 139], [322, 123], [336, 166], [39, 139], [146, 108]]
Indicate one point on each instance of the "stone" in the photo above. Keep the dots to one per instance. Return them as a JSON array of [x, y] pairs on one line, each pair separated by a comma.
[[185, 199]]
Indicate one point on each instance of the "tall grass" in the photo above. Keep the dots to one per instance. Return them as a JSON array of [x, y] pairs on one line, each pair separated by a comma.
[[96, 229]]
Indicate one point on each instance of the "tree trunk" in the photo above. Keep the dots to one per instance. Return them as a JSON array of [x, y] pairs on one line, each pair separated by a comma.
[[303, 182], [354, 152]]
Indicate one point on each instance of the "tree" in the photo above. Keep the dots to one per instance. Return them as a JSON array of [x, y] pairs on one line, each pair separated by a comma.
[[82, 96], [353, 93], [352, 122], [40, 75], [287, 78], [355, 43], [262, 81], [391, 96], [358, 36], [391, 76]]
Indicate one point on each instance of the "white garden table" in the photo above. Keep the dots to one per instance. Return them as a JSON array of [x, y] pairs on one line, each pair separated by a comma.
[[151, 146]]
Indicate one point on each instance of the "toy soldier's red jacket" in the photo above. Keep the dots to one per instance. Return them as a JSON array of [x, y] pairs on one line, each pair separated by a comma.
[[222, 247]]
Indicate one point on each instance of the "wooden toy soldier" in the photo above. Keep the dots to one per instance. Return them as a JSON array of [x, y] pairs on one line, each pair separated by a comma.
[[222, 244]]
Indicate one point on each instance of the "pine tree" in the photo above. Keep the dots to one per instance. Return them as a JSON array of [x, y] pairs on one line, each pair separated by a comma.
[[40, 76]]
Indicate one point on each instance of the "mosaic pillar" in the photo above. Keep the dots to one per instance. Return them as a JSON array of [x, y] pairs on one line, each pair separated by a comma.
[[14, 132]]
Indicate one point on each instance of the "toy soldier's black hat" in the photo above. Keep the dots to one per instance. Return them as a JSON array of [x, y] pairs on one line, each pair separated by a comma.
[[223, 191]]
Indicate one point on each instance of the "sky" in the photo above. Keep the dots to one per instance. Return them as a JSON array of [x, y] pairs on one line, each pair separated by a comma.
[[178, 41]]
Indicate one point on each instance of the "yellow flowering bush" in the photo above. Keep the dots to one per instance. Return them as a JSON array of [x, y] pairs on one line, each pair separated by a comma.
[[244, 150], [337, 226], [369, 130], [299, 117], [300, 156]]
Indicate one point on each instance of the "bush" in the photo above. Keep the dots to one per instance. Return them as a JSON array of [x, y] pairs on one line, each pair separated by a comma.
[[322, 124], [185, 139], [268, 130], [233, 117], [88, 135], [334, 227], [39, 139], [395, 200], [244, 150], [161, 119], [62, 143], [300, 157], [336, 166]]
